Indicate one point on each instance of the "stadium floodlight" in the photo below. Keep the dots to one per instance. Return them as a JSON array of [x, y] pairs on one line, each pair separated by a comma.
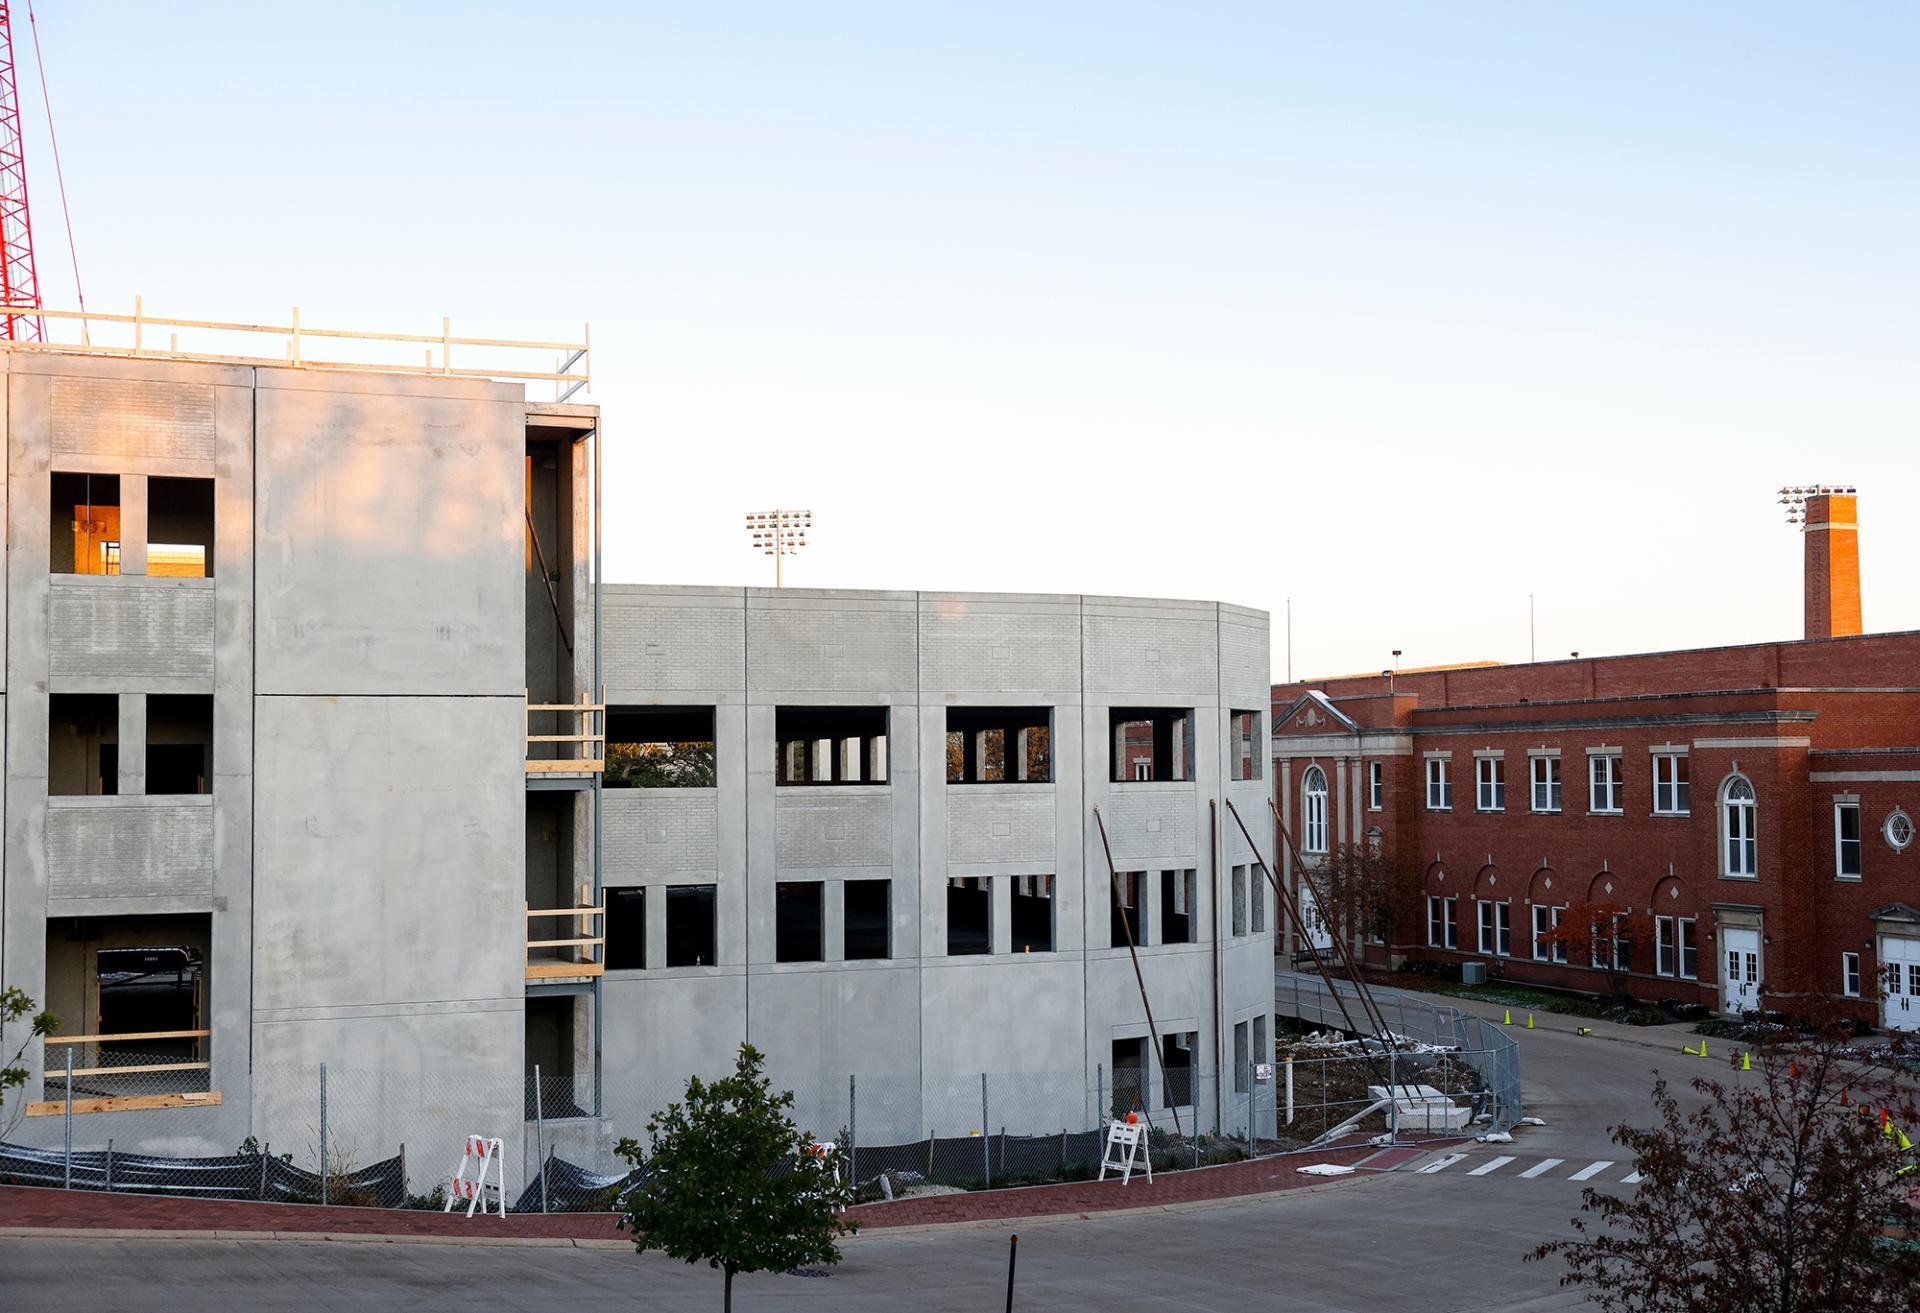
[[778, 534]]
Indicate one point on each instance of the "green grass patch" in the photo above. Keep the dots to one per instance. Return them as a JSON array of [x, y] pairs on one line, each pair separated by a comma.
[[1540, 1000]]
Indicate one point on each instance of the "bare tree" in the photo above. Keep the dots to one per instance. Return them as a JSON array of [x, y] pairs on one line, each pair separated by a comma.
[[1783, 1193]]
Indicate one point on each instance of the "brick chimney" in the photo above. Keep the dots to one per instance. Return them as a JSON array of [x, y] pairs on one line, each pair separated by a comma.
[[1833, 565]]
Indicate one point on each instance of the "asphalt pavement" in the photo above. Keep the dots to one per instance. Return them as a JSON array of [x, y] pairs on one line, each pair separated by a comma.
[[1445, 1232]]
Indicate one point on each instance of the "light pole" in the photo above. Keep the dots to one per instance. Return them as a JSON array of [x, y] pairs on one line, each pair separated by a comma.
[[778, 534], [1794, 498]]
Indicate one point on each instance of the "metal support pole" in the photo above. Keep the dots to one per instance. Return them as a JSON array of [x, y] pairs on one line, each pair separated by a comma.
[[109, 1162], [1250, 1057], [323, 1133], [1289, 1089], [1393, 1095], [853, 1131], [67, 1117], [1099, 1095], [1013, 1256], [539, 1135], [986, 1133]]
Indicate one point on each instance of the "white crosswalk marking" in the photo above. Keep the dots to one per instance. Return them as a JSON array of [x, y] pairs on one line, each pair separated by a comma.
[[1587, 1173], [1439, 1164], [1493, 1166], [1541, 1168], [1633, 1178]]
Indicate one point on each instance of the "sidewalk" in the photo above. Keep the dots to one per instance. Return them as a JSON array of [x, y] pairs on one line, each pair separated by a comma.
[[42, 1212], [1666, 1038]]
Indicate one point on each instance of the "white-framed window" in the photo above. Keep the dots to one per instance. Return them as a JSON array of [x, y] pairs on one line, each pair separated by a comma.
[[1439, 787], [1490, 784], [1544, 920], [1142, 770], [1850, 974], [1739, 816], [1897, 830], [1676, 949], [1376, 786], [1496, 929], [1605, 784], [1622, 948], [1671, 788], [1313, 810], [1441, 930], [1846, 840], [1546, 784]]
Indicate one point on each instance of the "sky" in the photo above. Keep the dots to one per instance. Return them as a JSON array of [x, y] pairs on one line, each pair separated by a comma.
[[1407, 313]]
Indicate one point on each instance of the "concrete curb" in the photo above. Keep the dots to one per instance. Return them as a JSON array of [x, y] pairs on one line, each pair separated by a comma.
[[330, 1237]]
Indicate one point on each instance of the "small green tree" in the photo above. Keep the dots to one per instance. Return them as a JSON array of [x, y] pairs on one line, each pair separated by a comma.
[[14, 1005], [729, 1179]]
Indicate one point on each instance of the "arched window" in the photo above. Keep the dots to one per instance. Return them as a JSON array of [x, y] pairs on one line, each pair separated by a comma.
[[1313, 789], [1738, 813]]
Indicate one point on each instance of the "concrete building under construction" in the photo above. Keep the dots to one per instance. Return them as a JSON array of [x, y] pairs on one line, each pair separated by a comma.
[[323, 745]]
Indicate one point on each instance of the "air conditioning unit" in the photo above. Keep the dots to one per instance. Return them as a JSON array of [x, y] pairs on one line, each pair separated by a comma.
[[1473, 973]]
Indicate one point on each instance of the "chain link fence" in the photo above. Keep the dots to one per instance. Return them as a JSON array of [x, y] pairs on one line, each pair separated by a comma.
[[1480, 1045]]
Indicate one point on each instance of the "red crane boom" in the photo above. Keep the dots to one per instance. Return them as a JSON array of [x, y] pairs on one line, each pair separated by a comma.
[[19, 282]]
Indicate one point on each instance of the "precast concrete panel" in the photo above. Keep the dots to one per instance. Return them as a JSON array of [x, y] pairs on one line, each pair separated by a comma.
[[391, 534], [649, 834], [131, 631], [389, 884], [131, 849], [818, 1024], [801, 641], [1152, 652], [667, 645], [1000, 644], [994, 824]]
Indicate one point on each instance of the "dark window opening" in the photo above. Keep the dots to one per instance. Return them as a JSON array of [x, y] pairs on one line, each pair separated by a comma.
[[1243, 745], [180, 528], [999, 745], [799, 924], [1176, 1058], [1129, 1069], [868, 916], [1033, 914], [626, 929], [1129, 909], [831, 745], [690, 925], [83, 753], [1151, 743], [969, 915], [1177, 893], [1242, 1058], [179, 743], [550, 1051], [659, 748], [1240, 900], [85, 524]]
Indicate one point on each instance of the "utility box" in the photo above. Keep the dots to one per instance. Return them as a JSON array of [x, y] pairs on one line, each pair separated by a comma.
[[1473, 973]]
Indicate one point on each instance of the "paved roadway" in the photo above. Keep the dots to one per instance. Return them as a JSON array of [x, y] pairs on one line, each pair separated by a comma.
[[1423, 1239]]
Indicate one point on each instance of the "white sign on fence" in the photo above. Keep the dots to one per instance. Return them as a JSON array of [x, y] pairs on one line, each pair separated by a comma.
[[1262, 1072]]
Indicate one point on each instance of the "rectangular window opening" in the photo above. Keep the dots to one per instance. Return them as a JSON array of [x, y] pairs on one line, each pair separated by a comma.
[[999, 745], [1129, 906], [1150, 743], [1129, 1073], [1846, 839], [1176, 1056], [83, 744], [1605, 791], [626, 928], [1672, 788], [1439, 787], [1242, 1057], [868, 914], [1376, 786], [1546, 784], [179, 743], [690, 925], [85, 523], [659, 748], [1256, 901], [1243, 744], [831, 745], [180, 528], [1490, 775], [1850, 974], [1178, 891], [1239, 900], [799, 921], [1032, 913], [969, 915]]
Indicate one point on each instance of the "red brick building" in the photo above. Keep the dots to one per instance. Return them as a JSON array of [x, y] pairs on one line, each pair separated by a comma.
[[1758, 804]]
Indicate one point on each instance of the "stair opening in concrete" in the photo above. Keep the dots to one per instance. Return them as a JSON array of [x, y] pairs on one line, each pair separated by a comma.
[[1150, 743], [626, 928], [691, 926], [83, 744], [1177, 895], [133, 993], [1129, 910], [180, 528], [1032, 913], [1176, 1057], [868, 920], [831, 745], [999, 745], [85, 523], [179, 743], [969, 915], [1129, 1075], [659, 748], [799, 921]]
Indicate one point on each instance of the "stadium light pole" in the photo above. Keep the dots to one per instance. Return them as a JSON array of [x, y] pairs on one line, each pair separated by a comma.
[[778, 534]]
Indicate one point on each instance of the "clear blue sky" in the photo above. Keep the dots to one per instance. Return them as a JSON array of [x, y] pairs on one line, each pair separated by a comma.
[[1402, 311]]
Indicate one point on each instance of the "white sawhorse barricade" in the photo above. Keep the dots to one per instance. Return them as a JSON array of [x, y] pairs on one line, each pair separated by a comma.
[[1125, 1140], [483, 1155]]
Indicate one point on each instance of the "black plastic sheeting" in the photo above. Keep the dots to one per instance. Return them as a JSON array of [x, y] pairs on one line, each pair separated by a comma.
[[571, 1188], [235, 1176], [974, 1159]]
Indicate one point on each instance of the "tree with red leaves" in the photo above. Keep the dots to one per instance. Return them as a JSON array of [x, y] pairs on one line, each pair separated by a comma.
[[1792, 1190], [1602, 935]]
